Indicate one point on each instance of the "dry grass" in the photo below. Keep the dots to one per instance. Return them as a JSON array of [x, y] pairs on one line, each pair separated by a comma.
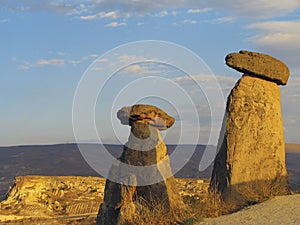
[[242, 195], [156, 213], [211, 205], [261, 190]]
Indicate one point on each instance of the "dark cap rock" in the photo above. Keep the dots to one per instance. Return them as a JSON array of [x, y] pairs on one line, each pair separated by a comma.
[[148, 114], [259, 65]]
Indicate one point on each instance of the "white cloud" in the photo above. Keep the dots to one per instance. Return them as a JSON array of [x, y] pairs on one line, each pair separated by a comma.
[[116, 24], [280, 39], [110, 15], [89, 17], [224, 20], [84, 58], [43, 62], [189, 22], [257, 8], [290, 26], [58, 7], [129, 59], [100, 64], [162, 14], [58, 61], [213, 21], [26, 65], [102, 60], [196, 11], [253, 9], [101, 15], [138, 65], [55, 6], [137, 69], [91, 56]]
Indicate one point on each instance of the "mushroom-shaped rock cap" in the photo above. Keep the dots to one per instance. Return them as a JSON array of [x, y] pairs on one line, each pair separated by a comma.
[[259, 65], [147, 114]]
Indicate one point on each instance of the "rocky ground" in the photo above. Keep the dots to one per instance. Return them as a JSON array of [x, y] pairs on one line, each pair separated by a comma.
[[52, 198], [67, 199]]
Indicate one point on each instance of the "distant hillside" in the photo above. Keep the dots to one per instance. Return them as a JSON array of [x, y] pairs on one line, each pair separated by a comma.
[[293, 164], [66, 160], [292, 148]]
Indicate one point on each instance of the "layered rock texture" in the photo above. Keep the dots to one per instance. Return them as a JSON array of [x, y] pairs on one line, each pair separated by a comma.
[[59, 200], [142, 177], [250, 165], [259, 65], [52, 197], [146, 114]]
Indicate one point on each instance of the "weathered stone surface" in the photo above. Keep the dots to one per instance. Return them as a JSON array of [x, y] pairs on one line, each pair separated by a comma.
[[259, 65], [146, 149], [147, 114], [50, 197], [30, 199], [250, 164]]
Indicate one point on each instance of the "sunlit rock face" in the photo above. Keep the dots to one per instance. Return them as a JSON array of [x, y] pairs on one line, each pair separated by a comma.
[[52, 196], [56, 200], [250, 165], [142, 177], [147, 114], [259, 65]]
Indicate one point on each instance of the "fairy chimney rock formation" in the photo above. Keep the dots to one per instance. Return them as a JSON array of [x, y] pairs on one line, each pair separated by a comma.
[[250, 164], [142, 177]]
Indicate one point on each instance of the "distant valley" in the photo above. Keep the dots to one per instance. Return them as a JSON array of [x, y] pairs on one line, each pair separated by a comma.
[[66, 160]]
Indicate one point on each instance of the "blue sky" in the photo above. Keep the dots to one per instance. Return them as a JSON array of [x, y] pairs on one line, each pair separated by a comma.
[[46, 46]]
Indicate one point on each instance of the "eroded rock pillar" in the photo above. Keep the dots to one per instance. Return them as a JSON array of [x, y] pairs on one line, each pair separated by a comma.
[[142, 177], [250, 165]]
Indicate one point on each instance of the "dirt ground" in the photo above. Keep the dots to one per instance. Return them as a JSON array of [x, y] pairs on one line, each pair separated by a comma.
[[283, 210]]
